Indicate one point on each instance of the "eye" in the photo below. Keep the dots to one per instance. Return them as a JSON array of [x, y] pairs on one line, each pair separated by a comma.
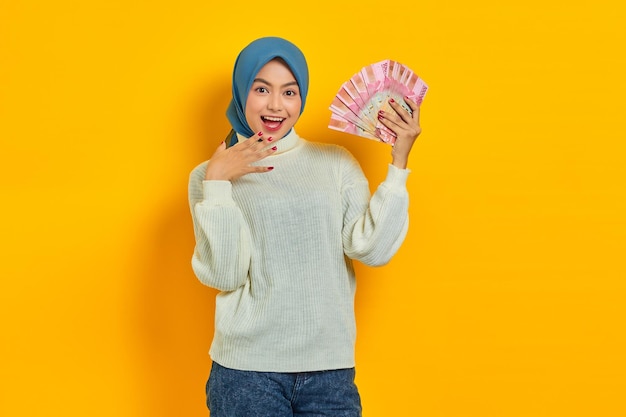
[[261, 90], [291, 93]]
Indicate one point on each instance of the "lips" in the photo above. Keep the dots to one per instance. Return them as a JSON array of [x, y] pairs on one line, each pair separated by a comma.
[[271, 122]]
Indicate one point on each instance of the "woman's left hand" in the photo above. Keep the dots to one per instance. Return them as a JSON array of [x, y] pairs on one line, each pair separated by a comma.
[[407, 128]]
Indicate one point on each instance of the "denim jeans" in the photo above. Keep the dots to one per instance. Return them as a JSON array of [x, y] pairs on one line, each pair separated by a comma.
[[234, 393]]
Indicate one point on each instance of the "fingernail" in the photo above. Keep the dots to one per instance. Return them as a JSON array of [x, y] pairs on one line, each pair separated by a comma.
[[274, 148], [269, 139], [270, 168], [392, 100], [260, 133], [381, 112]]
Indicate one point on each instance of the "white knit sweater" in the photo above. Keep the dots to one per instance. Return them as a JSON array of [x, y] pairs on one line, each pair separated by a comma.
[[278, 247]]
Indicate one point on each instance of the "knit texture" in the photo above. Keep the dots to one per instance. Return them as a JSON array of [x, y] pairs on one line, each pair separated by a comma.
[[279, 245]]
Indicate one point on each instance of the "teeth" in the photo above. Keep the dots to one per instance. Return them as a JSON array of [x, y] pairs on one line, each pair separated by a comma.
[[273, 119]]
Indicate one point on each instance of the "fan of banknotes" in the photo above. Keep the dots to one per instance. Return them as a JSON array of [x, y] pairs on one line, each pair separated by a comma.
[[355, 108]]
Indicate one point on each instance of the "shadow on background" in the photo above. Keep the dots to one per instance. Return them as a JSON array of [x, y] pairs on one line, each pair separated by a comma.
[[174, 320], [174, 312]]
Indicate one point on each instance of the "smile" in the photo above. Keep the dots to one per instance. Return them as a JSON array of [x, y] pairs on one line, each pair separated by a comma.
[[272, 123]]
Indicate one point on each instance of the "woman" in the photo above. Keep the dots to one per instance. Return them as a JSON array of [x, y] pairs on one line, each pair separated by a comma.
[[277, 221]]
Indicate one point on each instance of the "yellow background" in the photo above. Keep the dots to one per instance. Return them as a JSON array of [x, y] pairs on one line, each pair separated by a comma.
[[508, 297]]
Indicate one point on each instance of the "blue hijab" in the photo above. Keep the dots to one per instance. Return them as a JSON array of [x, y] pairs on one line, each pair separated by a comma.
[[248, 64]]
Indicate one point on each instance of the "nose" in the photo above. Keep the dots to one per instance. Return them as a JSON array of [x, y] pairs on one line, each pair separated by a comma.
[[275, 102]]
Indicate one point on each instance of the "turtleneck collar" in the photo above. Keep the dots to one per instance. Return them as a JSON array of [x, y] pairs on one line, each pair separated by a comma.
[[288, 142]]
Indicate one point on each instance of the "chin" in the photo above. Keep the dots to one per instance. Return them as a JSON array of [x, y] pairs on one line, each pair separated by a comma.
[[275, 133]]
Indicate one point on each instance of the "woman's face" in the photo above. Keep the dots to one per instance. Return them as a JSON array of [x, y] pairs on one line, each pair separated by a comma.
[[274, 102]]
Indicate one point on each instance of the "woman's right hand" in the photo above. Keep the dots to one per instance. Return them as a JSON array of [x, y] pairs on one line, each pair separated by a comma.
[[228, 164]]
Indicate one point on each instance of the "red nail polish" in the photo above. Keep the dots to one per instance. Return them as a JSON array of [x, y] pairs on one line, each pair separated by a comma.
[[392, 100], [260, 133], [274, 148], [269, 139], [270, 168]]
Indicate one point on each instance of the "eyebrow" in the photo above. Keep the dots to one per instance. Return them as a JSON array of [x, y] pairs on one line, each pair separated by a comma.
[[261, 80]]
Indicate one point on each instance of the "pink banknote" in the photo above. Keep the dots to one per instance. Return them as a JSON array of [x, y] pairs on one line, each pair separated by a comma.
[[356, 105]]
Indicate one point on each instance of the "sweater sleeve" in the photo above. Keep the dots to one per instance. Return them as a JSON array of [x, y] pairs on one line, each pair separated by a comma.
[[374, 227], [221, 257]]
